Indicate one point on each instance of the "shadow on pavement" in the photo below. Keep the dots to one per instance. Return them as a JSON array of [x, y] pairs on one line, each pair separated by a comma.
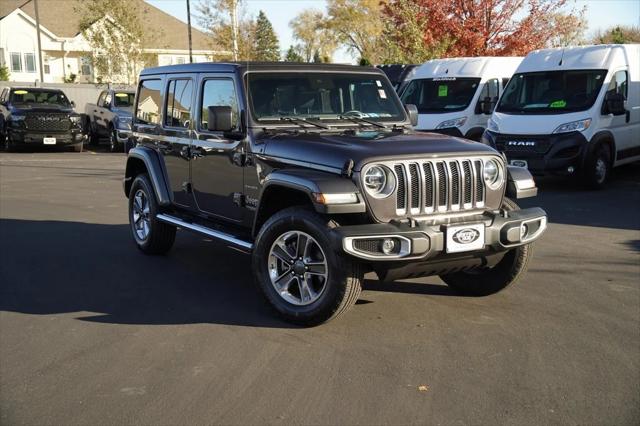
[[617, 206]]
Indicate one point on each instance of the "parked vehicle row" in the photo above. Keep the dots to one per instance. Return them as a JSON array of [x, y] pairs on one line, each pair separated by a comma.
[[38, 117], [317, 172]]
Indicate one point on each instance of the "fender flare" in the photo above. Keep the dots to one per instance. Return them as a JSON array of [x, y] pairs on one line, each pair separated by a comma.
[[154, 169], [310, 182], [602, 135], [477, 130]]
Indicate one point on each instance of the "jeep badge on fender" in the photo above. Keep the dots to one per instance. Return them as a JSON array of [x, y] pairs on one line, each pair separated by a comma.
[[317, 173]]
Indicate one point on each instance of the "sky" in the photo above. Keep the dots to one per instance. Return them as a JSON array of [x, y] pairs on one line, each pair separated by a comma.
[[601, 14]]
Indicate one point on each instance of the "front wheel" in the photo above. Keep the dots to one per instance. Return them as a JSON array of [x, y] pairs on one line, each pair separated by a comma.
[[598, 167], [150, 235], [298, 271], [114, 145], [487, 281]]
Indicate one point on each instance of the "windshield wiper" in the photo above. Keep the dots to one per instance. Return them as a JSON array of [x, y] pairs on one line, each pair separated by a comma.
[[300, 121], [360, 120]]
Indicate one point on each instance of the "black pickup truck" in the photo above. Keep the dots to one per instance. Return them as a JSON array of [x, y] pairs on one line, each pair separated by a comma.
[[36, 117], [317, 172], [110, 116]]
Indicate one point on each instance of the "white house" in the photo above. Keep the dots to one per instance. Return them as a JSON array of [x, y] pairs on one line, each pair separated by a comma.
[[65, 51]]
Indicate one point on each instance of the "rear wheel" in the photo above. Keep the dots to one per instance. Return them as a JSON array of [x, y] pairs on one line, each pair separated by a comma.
[[486, 281], [114, 145], [150, 235], [299, 273], [94, 138]]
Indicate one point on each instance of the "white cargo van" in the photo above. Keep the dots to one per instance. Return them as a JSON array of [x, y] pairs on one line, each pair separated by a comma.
[[456, 96], [572, 111]]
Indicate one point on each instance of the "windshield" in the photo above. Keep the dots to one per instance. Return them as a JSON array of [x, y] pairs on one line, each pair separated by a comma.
[[48, 97], [323, 96], [551, 92], [437, 95], [123, 99]]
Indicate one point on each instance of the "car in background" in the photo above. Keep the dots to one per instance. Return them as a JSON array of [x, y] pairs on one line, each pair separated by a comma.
[[397, 74], [38, 117], [456, 96], [571, 111], [110, 117]]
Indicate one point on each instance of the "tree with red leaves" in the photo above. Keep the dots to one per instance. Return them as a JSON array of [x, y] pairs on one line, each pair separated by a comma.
[[481, 27]]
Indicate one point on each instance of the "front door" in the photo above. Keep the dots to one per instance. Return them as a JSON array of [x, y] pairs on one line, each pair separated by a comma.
[[216, 172]]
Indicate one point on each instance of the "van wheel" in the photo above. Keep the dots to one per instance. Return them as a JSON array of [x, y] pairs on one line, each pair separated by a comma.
[[487, 281], [598, 167], [297, 269], [150, 235]]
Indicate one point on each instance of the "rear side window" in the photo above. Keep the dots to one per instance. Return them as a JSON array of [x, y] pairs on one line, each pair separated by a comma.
[[178, 112], [149, 101], [220, 92]]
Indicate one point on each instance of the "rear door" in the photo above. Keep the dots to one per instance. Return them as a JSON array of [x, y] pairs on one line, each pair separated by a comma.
[[174, 140], [216, 166]]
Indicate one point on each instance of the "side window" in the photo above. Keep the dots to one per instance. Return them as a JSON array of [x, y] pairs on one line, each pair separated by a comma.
[[178, 104], [219, 92], [619, 84], [149, 102], [505, 81]]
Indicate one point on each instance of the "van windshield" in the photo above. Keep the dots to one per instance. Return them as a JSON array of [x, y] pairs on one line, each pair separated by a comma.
[[324, 96], [437, 95], [551, 92]]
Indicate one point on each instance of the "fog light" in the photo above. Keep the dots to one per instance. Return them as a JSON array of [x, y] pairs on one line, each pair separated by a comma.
[[570, 169], [388, 245]]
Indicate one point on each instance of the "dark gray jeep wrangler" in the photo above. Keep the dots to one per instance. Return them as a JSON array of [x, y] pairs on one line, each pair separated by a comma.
[[316, 171]]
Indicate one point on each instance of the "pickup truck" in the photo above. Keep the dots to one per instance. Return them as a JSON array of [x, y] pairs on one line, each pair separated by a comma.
[[110, 117]]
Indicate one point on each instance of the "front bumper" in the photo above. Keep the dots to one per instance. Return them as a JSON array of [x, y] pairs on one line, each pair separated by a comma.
[[30, 138], [424, 241], [556, 154]]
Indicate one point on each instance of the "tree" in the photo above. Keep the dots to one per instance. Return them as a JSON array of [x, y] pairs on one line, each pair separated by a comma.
[[483, 27], [358, 24], [573, 25], [293, 55], [267, 45], [310, 29], [4, 73], [217, 17], [618, 35], [114, 30]]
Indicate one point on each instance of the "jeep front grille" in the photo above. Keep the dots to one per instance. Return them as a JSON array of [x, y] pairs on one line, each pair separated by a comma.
[[438, 186], [47, 122]]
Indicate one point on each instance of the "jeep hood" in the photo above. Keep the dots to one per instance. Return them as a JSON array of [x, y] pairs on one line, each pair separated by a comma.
[[334, 150]]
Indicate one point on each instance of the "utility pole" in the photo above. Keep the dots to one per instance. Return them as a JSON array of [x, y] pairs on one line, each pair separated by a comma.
[[35, 5], [189, 26], [234, 28]]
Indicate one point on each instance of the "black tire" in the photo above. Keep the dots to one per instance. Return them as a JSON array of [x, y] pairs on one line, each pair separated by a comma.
[[597, 167], [160, 236], [94, 137], [77, 147], [487, 281], [342, 285], [114, 145]]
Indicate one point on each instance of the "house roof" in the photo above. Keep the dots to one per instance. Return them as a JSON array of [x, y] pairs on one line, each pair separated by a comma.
[[62, 19]]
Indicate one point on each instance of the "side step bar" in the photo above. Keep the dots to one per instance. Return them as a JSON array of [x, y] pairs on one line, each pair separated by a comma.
[[205, 231]]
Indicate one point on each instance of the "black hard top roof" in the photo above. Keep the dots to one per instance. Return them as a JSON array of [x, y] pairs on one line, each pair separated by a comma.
[[254, 66]]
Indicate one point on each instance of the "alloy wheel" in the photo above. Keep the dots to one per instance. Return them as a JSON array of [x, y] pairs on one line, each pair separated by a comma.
[[298, 268], [601, 169], [141, 221]]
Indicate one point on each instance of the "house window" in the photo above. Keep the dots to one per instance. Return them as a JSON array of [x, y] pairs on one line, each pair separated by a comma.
[[16, 62], [30, 62], [46, 65], [85, 66]]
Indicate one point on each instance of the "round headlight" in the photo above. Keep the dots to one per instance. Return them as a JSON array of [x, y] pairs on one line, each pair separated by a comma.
[[492, 173], [379, 181]]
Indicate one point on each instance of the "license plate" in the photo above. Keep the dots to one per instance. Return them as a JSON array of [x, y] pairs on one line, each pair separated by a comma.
[[49, 141], [465, 238], [519, 163]]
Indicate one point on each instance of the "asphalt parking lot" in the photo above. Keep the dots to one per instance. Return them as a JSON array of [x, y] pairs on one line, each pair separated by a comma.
[[94, 332]]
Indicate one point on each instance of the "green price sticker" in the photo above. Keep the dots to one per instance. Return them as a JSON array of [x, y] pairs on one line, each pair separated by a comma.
[[443, 89], [558, 104]]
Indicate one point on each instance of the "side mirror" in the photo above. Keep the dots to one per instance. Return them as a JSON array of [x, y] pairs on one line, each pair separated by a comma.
[[412, 112], [615, 103], [220, 119], [486, 106]]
